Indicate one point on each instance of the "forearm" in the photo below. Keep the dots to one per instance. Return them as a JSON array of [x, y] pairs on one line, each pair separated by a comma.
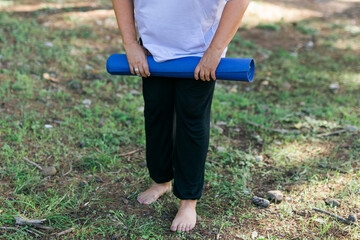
[[124, 12], [229, 23]]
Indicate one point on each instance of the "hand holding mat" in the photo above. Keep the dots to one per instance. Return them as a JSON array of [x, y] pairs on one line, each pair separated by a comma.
[[237, 69]]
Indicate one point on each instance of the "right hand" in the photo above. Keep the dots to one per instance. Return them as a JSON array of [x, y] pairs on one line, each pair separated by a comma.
[[136, 56]]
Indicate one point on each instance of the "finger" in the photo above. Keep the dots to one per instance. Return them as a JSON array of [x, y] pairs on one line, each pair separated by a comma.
[[202, 75], [146, 69], [132, 70], [213, 76], [196, 72], [207, 75], [141, 72]]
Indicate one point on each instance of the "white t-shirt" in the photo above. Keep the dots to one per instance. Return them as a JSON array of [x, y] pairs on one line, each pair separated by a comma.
[[172, 29]]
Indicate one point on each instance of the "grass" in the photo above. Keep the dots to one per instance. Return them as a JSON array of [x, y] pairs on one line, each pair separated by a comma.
[[95, 188]]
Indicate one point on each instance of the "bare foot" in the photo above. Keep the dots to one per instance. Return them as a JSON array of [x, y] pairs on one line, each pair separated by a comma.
[[154, 192], [185, 218]]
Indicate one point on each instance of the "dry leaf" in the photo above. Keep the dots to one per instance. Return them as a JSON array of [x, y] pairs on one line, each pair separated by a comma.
[[48, 77]]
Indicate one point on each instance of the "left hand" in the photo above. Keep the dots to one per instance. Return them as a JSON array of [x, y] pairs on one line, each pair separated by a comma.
[[206, 68]]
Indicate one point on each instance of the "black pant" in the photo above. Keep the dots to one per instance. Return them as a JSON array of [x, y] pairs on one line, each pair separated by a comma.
[[177, 126]]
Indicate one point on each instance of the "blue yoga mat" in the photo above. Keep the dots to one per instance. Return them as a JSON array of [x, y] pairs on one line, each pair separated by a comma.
[[237, 69]]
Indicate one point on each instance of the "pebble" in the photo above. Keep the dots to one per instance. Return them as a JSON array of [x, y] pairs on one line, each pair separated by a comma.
[[221, 123], [83, 184], [334, 86], [352, 218], [115, 237], [221, 149], [286, 86], [142, 164], [87, 102], [351, 128], [259, 158], [98, 180], [332, 202], [48, 126], [261, 202], [81, 144], [48, 44], [275, 196], [319, 220], [48, 171]]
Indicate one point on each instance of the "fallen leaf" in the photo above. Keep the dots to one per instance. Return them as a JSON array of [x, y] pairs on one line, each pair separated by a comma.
[[48, 77]]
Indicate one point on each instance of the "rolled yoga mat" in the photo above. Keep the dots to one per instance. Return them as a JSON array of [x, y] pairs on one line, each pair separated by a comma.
[[237, 69]]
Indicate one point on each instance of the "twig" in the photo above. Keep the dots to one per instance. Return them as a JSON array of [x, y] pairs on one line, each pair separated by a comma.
[[25, 222], [28, 230], [215, 162], [338, 218], [350, 146], [333, 168], [282, 131], [70, 170], [65, 232], [331, 133], [129, 153], [99, 150], [35, 164], [115, 172], [12, 228]]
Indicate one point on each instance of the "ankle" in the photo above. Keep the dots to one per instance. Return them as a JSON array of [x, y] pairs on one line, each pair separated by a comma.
[[164, 184], [188, 203]]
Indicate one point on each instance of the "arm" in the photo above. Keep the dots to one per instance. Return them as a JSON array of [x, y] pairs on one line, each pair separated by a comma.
[[136, 55], [228, 25]]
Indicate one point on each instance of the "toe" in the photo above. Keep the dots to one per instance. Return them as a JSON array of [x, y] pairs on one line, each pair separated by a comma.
[[179, 227], [183, 228], [173, 228]]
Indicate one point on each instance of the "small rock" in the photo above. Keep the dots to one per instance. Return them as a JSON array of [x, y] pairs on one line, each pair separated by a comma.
[[88, 67], [115, 237], [246, 192], [352, 218], [277, 142], [319, 220], [310, 44], [275, 196], [48, 44], [247, 89], [75, 85], [142, 164], [221, 123], [261, 202], [286, 86], [48, 126], [258, 138], [125, 201], [334, 86], [87, 102], [48, 171], [332, 202], [98, 180], [351, 128], [134, 92], [83, 184], [259, 158], [220, 149], [80, 144], [254, 235]]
